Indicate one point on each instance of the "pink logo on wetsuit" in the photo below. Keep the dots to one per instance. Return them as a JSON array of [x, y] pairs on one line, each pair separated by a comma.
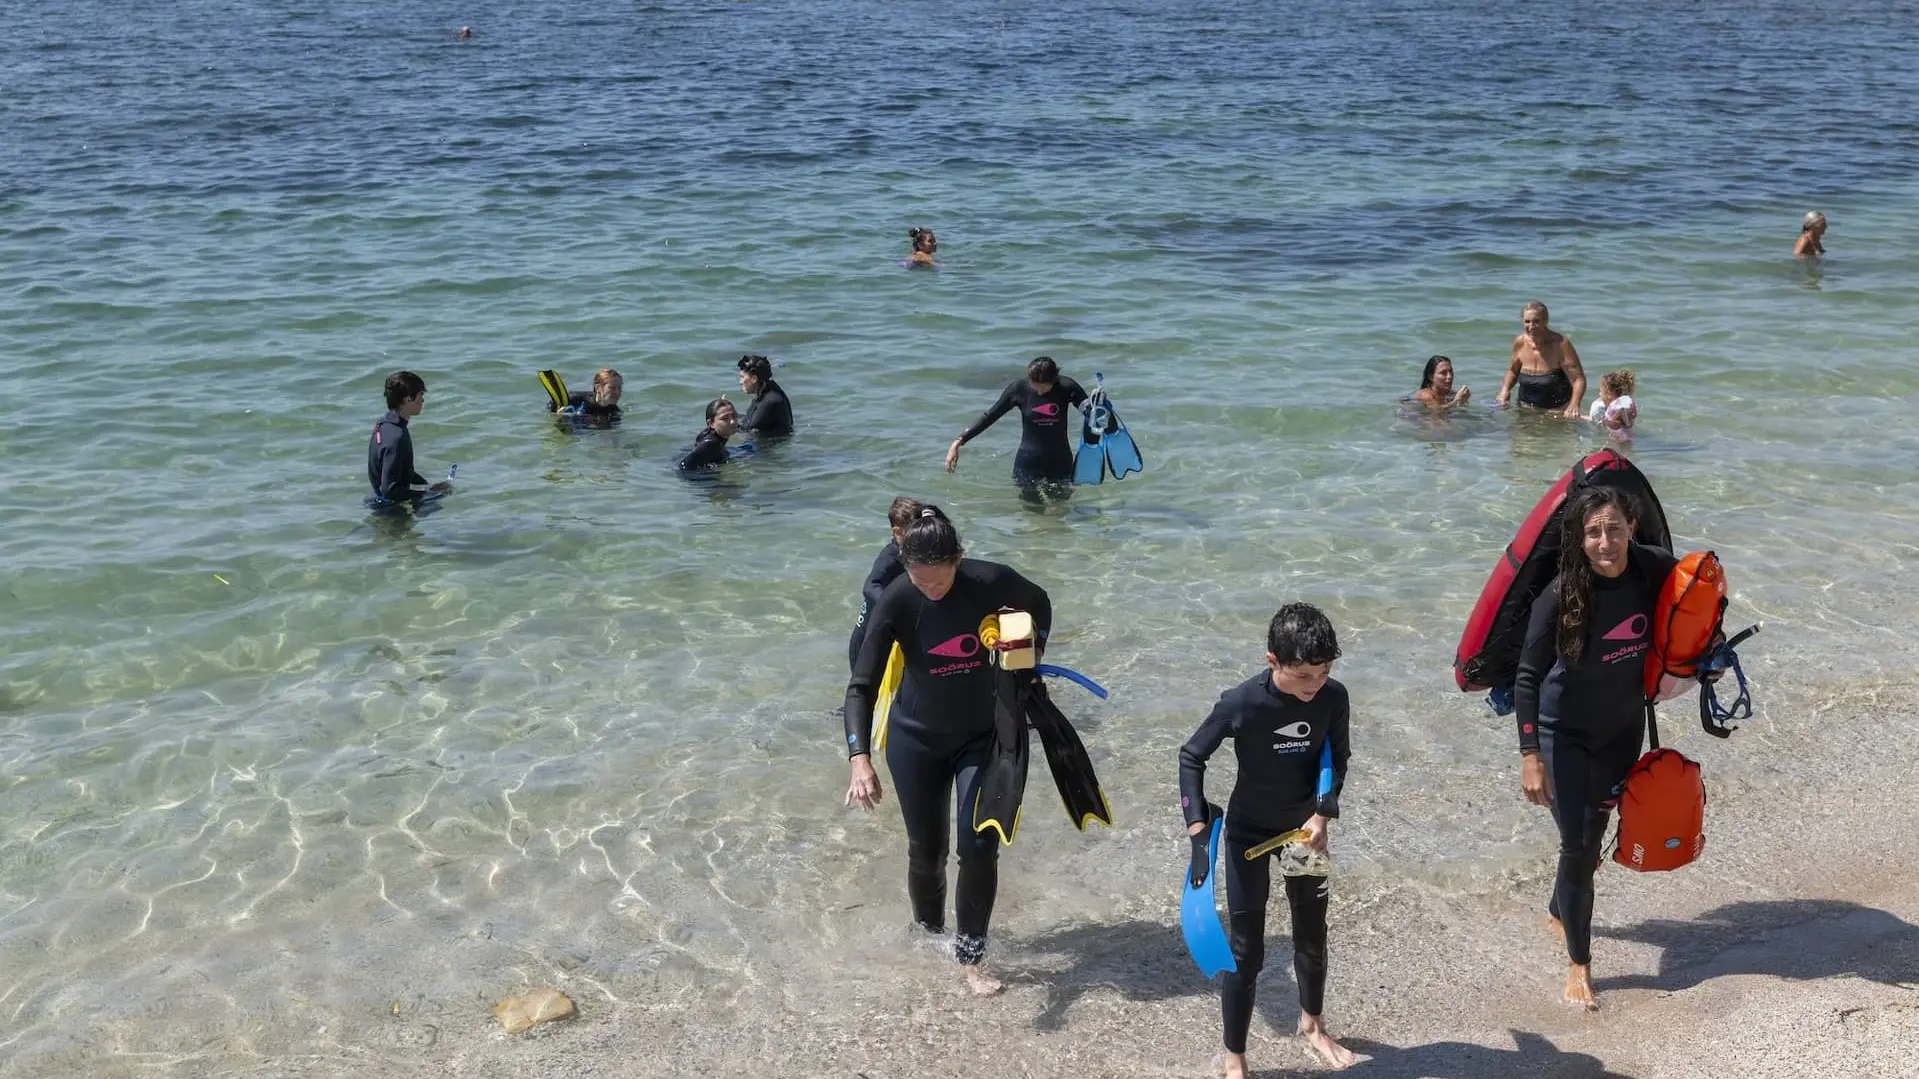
[[963, 647], [1048, 412], [1632, 629]]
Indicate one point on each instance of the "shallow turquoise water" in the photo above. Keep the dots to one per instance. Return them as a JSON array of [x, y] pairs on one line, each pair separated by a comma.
[[589, 702]]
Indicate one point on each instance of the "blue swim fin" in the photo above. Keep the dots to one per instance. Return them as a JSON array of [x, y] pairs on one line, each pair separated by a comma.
[[1122, 455], [1089, 464], [1199, 915]]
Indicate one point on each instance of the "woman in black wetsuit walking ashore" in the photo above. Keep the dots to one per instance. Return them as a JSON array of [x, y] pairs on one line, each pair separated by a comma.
[[1044, 465], [940, 728], [1581, 700]]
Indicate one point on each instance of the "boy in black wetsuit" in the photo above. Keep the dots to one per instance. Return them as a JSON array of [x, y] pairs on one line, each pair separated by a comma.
[[389, 450], [1279, 720]]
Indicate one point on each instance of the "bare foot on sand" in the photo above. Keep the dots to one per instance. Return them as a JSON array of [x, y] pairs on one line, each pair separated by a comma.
[[1322, 1045], [1579, 987], [1235, 1066], [982, 983]]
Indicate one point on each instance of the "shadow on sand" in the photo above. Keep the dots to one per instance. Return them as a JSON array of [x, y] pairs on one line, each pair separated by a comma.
[[1800, 939]]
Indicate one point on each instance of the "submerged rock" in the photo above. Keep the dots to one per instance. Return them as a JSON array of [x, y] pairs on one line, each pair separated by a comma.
[[530, 1010]]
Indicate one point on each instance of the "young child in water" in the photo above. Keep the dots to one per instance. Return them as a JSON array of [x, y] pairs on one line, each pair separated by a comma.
[[925, 244], [1615, 408]]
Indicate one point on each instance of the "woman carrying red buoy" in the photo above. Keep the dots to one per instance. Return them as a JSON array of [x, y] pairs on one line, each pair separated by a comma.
[[1580, 697]]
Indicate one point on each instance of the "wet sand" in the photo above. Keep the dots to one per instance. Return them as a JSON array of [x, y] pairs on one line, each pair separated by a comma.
[[1792, 948]]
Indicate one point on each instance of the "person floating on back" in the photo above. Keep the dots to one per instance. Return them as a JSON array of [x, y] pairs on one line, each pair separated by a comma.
[[1812, 230], [1615, 409], [1544, 366], [924, 245], [770, 413], [1284, 721], [709, 446], [598, 408], [389, 451]]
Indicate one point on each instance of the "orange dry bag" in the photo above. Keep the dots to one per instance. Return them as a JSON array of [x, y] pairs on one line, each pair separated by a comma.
[[1691, 605], [1662, 813]]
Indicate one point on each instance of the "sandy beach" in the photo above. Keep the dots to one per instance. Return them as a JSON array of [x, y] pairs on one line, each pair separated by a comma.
[[1791, 949]]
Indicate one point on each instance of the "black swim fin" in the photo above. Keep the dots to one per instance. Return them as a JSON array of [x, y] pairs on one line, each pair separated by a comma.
[[1002, 784], [1066, 755]]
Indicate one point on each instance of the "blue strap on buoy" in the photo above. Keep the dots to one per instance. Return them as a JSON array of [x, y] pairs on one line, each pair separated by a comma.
[[1071, 675], [1721, 720]]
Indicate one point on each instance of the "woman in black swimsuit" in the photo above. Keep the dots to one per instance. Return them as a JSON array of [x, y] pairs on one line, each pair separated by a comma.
[[1544, 366]]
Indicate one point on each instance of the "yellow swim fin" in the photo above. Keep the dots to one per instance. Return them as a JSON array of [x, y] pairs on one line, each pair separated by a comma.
[[889, 688], [555, 388]]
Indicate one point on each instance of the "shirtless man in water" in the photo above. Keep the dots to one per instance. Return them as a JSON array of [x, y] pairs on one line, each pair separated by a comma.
[[1545, 366]]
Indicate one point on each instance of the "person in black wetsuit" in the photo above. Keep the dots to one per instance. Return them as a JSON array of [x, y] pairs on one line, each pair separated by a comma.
[[1581, 699], [1279, 720], [599, 407], [941, 725], [1044, 465], [709, 446], [1544, 366], [886, 566], [389, 450], [770, 413]]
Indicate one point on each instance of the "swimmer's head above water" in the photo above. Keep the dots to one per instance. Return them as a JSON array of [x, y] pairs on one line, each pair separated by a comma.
[[607, 385], [1438, 376], [1813, 222], [925, 244], [1534, 318], [721, 418], [755, 373]]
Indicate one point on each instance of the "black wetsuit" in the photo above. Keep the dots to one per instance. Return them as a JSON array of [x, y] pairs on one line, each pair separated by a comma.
[[389, 461], [1545, 389], [771, 413], [1045, 453], [1277, 739], [885, 567], [708, 449], [580, 404], [939, 731], [1588, 721]]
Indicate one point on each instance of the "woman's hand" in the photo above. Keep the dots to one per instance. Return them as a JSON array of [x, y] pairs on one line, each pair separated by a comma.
[[1315, 828], [1532, 780], [952, 455], [1570, 412], [1501, 399], [1461, 397], [864, 791]]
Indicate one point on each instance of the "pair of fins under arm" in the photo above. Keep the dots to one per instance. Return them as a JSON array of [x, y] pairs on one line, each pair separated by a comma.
[[1020, 701], [1104, 443], [1199, 920]]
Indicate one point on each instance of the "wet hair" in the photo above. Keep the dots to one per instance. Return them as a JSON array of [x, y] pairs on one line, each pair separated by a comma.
[[930, 539], [758, 366], [1432, 364], [1812, 220], [902, 512], [1620, 382], [607, 384], [401, 385], [1535, 305], [713, 408], [1042, 369], [1301, 633], [923, 239], [1575, 569]]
